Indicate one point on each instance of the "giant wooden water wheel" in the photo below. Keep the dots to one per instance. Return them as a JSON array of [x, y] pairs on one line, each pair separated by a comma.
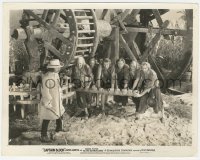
[[67, 33]]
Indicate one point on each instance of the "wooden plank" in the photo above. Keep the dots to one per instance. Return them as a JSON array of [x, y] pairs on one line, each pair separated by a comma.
[[84, 17], [23, 93], [23, 102], [85, 37], [119, 93], [177, 32], [85, 45], [126, 47], [86, 31], [81, 10]]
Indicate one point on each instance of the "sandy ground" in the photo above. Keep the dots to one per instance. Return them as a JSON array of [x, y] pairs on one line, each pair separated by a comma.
[[118, 127]]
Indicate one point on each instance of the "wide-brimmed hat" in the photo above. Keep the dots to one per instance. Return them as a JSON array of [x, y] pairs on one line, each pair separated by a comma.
[[55, 63]]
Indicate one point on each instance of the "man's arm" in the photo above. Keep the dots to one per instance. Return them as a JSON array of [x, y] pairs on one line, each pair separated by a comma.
[[89, 76], [126, 76], [135, 82], [150, 83]]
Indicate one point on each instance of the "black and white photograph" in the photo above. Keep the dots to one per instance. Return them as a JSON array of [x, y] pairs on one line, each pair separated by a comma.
[[103, 77]]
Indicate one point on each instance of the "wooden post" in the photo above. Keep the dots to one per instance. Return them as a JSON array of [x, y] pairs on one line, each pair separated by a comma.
[[115, 51]]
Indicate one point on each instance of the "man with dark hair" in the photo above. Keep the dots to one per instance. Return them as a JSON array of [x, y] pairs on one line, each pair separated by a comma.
[[94, 68], [105, 78], [122, 78]]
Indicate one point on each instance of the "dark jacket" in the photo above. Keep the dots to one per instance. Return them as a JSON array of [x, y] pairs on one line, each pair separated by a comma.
[[122, 76], [105, 77], [82, 77]]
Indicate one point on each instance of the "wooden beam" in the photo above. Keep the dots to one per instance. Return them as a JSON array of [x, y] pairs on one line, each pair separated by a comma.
[[158, 17], [44, 15], [153, 42], [135, 49], [126, 47], [56, 17], [52, 49], [103, 15], [177, 32], [135, 12]]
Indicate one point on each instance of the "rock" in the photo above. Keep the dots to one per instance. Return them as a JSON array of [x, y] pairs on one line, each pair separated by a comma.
[[104, 132]]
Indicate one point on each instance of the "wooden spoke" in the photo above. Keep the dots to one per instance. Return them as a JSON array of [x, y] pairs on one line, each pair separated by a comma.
[[159, 21], [52, 49], [55, 19], [104, 13], [44, 15], [158, 17], [153, 42]]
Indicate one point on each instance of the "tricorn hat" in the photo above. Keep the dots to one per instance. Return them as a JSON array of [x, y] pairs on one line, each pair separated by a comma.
[[55, 63]]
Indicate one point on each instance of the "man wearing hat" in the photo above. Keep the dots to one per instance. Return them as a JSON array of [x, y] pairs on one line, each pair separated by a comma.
[[51, 101]]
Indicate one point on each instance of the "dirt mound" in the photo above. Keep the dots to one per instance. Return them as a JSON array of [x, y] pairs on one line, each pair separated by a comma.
[[119, 128]]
